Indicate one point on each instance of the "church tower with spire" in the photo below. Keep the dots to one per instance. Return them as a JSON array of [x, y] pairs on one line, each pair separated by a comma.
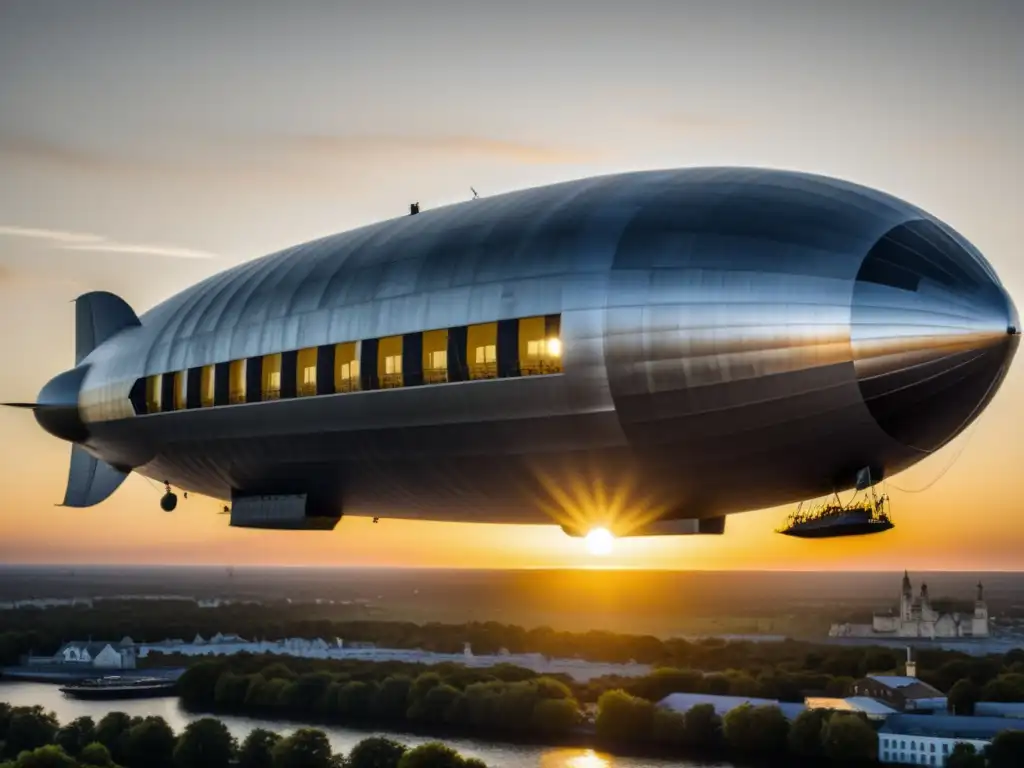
[[979, 624], [907, 599]]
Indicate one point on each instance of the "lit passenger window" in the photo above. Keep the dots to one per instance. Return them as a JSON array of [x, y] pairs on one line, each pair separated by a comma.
[[540, 348], [207, 392], [435, 357], [180, 390], [389, 362], [482, 343], [306, 373], [346, 367], [154, 384], [272, 376], [236, 382]]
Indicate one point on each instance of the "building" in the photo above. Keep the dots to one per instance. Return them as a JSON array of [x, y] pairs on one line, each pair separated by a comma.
[[917, 618], [684, 702], [1013, 709], [700, 341], [929, 740], [100, 655], [902, 693], [872, 709]]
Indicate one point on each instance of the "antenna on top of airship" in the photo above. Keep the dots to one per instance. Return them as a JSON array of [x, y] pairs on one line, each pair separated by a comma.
[[475, 193]]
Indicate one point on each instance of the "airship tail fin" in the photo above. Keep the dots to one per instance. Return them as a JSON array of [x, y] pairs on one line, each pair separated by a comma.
[[98, 316], [90, 480]]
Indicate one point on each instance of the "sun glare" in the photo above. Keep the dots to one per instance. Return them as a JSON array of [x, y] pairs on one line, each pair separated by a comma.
[[599, 541]]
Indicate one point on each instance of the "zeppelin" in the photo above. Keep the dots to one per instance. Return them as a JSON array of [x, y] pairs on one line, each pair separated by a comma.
[[648, 352]]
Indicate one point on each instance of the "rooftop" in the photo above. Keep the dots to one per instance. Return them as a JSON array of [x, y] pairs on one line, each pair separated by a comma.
[[946, 726], [683, 702]]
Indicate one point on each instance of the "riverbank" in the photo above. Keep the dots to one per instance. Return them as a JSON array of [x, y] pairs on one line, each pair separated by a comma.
[[343, 738]]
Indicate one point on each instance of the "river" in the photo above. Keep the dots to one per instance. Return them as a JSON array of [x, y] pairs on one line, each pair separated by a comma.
[[494, 754]]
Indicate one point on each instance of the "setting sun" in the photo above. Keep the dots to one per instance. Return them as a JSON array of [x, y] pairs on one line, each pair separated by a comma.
[[599, 541]]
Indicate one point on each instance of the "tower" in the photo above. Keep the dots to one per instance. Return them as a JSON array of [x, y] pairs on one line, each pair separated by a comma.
[[979, 624], [906, 599], [911, 669]]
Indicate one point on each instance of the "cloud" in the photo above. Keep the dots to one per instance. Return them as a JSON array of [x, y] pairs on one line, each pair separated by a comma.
[[500, 149], [83, 241]]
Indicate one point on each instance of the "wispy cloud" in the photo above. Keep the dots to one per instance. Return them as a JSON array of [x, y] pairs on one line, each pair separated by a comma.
[[500, 149], [84, 241]]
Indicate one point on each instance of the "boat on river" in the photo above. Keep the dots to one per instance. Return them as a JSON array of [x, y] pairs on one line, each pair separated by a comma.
[[117, 687]]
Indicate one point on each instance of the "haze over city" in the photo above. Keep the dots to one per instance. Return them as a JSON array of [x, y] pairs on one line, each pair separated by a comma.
[[144, 148]]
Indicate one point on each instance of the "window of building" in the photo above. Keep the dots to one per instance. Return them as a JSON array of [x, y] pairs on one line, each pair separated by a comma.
[[180, 390], [945, 749], [236, 382], [305, 372], [389, 362], [435, 357], [346, 367], [271, 384], [482, 346], [540, 345], [207, 389], [154, 385]]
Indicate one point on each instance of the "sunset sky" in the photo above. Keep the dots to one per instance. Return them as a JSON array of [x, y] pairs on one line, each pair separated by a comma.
[[144, 146]]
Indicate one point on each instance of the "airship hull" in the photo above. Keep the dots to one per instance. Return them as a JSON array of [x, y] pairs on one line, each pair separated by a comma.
[[730, 339]]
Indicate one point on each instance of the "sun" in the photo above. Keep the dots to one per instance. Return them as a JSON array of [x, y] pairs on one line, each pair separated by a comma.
[[599, 541]]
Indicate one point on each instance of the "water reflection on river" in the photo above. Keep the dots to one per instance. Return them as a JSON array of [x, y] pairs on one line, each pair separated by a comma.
[[495, 754]]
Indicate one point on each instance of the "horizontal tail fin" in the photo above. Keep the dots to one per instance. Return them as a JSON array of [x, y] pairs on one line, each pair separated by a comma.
[[98, 316]]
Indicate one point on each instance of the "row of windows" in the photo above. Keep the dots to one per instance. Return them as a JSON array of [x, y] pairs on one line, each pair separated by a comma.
[[523, 347], [902, 744]]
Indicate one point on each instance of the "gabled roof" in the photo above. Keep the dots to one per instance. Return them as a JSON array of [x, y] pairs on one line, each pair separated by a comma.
[[909, 687]]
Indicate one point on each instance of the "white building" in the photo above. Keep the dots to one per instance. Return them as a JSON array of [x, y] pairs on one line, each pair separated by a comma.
[[917, 618], [97, 654], [929, 739]]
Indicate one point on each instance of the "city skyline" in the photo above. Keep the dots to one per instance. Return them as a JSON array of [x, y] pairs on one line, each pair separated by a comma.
[[144, 149]]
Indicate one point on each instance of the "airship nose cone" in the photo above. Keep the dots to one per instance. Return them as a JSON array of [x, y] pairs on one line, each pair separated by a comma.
[[933, 334], [57, 407]]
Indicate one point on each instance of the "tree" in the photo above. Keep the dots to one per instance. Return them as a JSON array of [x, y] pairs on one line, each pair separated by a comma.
[[355, 699], [1009, 687], [197, 685], [965, 756], [74, 736], [306, 748], [432, 755], [555, 717], [50, 756], [257, 749], [761, 731], [805, 734], [848, 738], [623, 718], [668, 727], [391, 701], [149, 744], [376, 752], [28, 729], [95, 754], [205, 743], [962, 697], [111, 731], [1006, 750], [702, 727]]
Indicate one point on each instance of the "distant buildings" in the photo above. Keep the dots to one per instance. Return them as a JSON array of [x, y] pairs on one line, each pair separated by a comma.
[[902, 693], [683, 702], [917, 740], [917, 618], [90, 654]]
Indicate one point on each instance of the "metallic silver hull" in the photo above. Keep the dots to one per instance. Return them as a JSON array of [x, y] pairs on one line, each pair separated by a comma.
[[733, 339]]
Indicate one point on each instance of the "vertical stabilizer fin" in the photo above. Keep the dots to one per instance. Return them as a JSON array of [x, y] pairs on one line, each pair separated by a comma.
[[98, 316], [90, 480]]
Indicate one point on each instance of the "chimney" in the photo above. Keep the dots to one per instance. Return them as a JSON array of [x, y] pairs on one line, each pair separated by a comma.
[[414, 208], [911, 664]]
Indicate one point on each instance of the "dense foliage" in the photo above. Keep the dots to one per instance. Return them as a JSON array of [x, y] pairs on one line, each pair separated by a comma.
[[205, 743]]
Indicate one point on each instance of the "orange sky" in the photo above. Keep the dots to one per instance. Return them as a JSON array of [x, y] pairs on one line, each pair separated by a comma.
[[142, 152]]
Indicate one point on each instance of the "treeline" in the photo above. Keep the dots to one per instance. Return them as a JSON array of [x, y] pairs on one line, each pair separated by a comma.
[[32, 738], [765, 735], [505, 701], [45, 630]]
